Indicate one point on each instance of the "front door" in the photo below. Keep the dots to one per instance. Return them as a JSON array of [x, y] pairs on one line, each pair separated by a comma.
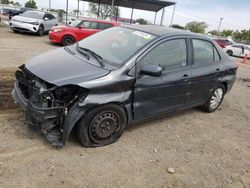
[[167, 93]]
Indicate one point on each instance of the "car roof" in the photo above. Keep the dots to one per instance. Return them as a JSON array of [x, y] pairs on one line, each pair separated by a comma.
[[160, 30], [101, 21]]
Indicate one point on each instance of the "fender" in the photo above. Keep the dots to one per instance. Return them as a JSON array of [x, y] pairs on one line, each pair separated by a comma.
[[74, 115]]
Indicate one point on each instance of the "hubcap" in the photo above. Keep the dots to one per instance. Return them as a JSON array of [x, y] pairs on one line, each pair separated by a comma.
[[103, 126], [68, 41], [216, 98]]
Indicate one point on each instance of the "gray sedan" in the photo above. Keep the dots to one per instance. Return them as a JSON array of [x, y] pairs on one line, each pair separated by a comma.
[[33, 22]]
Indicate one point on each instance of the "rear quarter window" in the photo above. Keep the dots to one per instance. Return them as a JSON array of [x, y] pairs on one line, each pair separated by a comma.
[[103, 26], [204, 52]]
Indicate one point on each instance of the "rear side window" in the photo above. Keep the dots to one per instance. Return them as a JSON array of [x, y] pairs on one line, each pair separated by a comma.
[[170, 54], [204, 52], [103, 26]]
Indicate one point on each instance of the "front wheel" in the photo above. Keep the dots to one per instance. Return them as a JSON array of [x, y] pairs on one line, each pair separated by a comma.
[[40, 31], [215, 100], [102, 126], [67, 40]]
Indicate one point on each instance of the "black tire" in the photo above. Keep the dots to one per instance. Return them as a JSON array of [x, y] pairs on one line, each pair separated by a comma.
[[208, 107], [40, 31], [67, 40], [102, 126], [229, 52]]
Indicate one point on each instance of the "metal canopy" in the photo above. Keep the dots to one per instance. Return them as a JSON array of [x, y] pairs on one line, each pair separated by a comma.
[[149, 5]]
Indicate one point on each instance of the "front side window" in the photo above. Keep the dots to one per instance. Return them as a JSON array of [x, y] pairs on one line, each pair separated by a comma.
[[204, 52], [170, 54], [89, 25]]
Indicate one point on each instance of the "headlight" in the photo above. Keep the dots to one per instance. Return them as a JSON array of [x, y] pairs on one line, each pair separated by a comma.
[[57, 30]]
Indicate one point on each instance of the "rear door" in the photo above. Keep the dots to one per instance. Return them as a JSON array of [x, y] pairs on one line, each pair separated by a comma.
[[159, 95], [87, 28], [206, 71]]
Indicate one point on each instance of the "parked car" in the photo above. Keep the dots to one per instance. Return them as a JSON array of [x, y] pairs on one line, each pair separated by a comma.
[[33, 22], [135, 73], [78, 30], [239, 50], [13, 13], [223, 42]]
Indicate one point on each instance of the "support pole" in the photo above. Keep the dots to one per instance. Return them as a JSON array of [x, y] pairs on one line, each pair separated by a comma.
[[112, 8], [132, 12], [98, 14], [49, 5], [155, 17], [172, 19], [162, 16], [77, 14], [67, 9], [116, 16]]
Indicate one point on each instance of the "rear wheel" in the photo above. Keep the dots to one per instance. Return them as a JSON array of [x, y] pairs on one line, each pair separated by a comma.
[[67, 40], [40, 31], [102, 126], [215, 100], [230, 52]]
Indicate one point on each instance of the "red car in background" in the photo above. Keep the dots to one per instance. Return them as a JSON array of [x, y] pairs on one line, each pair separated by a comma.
[[223, 42], [78, 30]]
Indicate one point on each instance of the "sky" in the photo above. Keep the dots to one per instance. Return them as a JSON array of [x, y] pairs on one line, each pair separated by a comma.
[[235, 13]]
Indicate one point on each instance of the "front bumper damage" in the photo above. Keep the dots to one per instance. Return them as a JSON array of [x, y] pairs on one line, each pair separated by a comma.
[[54, 117]]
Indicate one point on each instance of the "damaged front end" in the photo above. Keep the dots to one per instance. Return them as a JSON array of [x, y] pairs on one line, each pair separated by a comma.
[[46, 105]]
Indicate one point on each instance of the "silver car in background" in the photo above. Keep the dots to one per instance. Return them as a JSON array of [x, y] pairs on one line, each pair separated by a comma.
[[33, 22]]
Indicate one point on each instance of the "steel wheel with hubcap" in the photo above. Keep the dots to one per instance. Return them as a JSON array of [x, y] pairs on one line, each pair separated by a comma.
[[102, 125], [215, 100]]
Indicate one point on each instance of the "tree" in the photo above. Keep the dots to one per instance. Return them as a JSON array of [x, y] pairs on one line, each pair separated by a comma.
[[31, 4], [142, 21], [226, 33], [76, 11], [5, 2], [17, 4], [177, 26], [214, 32], [61, 12], [196, 27], [104, 12]]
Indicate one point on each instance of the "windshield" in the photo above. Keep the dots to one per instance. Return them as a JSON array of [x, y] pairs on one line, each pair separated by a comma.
[[117, 44], [75, 23], [33, 14]]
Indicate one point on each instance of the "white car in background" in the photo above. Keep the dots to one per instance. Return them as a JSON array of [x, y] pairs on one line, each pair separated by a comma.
[[239, 50], [33, 22]]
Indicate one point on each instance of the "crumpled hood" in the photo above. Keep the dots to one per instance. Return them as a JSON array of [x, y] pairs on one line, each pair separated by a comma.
[[25, 19], [59, 67]]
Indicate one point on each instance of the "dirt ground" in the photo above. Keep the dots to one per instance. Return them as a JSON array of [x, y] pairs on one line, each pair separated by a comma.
[[206, 150]]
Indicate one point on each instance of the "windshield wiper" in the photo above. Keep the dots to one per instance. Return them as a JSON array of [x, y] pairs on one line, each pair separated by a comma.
[[93, 54], [82, 51]]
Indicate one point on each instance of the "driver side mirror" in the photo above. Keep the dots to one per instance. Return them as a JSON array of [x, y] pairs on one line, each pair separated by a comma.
[[152, 70]]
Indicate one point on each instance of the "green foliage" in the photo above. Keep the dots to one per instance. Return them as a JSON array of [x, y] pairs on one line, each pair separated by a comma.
[[76, 11], [5, 2], [61, 12], [226, 33], [31, 4], [177, 26], [196, 27], [104, 12], [214, 32], [142, 21]]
